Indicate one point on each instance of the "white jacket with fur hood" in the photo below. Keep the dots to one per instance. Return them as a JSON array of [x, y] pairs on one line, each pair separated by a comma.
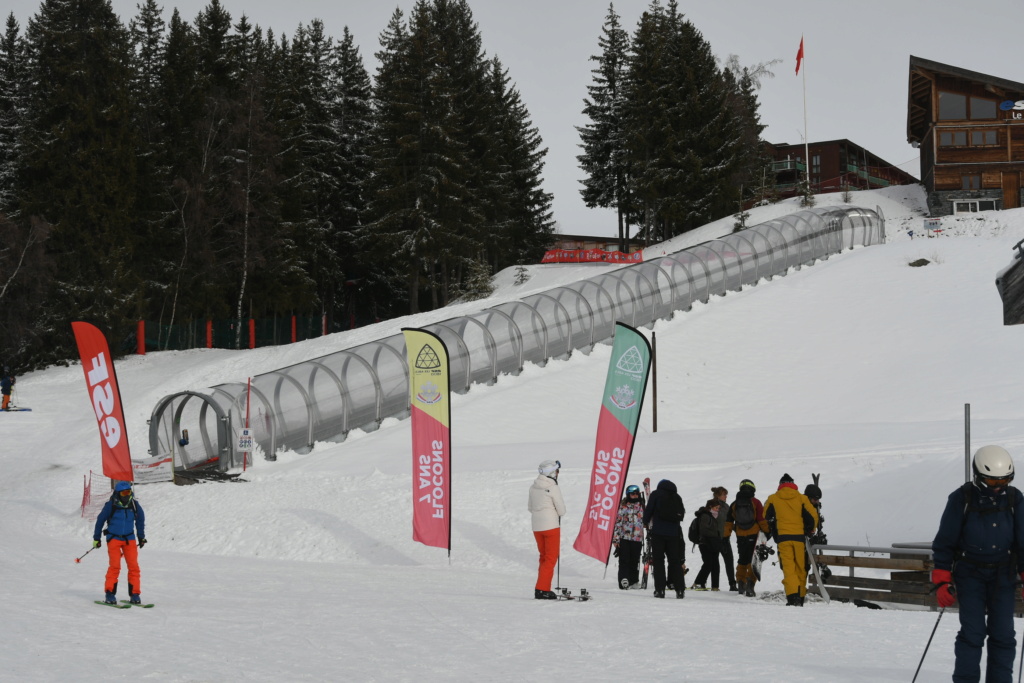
[[546, 503]]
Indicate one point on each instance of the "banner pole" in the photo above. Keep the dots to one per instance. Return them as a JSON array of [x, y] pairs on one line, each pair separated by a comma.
[[654, 379]]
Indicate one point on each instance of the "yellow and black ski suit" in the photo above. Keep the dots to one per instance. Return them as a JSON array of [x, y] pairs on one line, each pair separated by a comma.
[[790, 509]]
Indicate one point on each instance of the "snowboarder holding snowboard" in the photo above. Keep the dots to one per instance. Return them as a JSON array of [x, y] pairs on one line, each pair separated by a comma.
[[628, 536], [662, 516], [979, 553], [125, 520], [787, 511], [746, 517], [546, 508]]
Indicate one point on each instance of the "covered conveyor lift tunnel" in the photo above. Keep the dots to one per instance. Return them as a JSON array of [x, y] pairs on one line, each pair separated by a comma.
[[324, 398]]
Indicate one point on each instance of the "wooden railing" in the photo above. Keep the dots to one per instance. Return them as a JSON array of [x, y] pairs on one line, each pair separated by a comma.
[[909, 566]]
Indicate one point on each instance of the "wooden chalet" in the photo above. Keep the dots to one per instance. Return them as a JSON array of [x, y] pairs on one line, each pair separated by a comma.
[[970, 130], [835, 165]]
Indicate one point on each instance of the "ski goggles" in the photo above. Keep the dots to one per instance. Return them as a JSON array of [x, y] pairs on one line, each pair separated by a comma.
[[996, 483], [125, 493]]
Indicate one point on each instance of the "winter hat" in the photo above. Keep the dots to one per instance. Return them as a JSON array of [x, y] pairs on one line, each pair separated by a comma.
[[786, 479], [549, 467], [812, 491]]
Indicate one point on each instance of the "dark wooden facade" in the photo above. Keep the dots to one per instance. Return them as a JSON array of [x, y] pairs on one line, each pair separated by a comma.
[[835, 166], [969, 128], [573, 242]]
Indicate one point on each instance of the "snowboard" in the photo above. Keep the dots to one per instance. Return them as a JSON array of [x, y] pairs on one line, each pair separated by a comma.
[[817, 575], [755, 563]]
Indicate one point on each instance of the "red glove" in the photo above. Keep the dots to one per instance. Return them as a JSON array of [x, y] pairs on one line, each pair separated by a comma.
[[945, 594]]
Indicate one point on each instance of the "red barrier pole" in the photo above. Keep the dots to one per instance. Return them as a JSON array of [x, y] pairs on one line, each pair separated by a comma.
[[323, 325], [209, 334], [294, 337], [252, 333], [140, 338]]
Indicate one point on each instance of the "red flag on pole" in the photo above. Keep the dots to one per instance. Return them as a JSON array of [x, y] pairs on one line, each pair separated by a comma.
[[101, 381], [800, 55]]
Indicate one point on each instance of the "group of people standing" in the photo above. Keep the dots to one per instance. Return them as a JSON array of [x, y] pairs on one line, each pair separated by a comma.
[[788, 516]]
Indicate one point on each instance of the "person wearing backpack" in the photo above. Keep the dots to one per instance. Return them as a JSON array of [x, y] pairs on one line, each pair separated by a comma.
[[725, 547], [662, 516], [746, 517], [628, 536], [979, 553], [786, 511], [710, 544], [125, 520]]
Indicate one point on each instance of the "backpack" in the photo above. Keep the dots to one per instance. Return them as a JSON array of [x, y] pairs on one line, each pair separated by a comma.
[[693, 533], [971, 504], [743, 513], [668, 510]]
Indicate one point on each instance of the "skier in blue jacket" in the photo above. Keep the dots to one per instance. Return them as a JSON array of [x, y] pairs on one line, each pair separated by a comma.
[[125, 520], [978, 553]]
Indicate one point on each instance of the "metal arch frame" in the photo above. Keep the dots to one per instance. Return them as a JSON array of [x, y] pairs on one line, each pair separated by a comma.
[[753, 252], [568, 320], [590, 312], [602, 278], [157, 416], [593, 320], [343, 394], [692, 292], [275, 429], [535, 315], [492, 346], [462, 346], [707, 267], [725, 264], [790, 255], [770, 225], [403, 364], [516, 338], [656, 289], [634, 295], [707, 275], [281, 375], [805, 238], [378, 390]]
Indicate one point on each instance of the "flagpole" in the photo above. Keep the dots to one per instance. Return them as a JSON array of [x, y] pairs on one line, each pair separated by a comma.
[[807, 152]]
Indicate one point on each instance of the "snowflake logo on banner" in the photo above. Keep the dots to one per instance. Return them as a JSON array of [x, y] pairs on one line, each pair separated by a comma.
[[624, 398], [427, 359], [631, 362], [428, 393]]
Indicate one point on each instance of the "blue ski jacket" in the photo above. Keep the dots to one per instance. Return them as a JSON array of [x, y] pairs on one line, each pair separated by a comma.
[[123, 521], [989, 533]]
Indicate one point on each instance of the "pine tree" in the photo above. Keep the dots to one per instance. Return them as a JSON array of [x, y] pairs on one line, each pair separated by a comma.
[[13, 93], [79, 163], [604, 157]]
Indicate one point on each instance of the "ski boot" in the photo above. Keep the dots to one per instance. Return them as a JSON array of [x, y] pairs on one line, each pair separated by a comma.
[[680, 595], [543, 595], [793, 600], [135, 599], [715, 590], [749, 591], [624, 584], [658, 593], [110, 598], [698, 587]]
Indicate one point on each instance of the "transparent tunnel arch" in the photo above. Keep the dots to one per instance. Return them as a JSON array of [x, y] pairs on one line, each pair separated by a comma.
[[324, 398]]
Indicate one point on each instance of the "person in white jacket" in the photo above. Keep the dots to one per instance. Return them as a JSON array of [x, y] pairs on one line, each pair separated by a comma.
[[547, 507]]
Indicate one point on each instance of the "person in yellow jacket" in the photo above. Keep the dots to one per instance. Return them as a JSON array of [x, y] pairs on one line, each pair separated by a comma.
[[787, 512]]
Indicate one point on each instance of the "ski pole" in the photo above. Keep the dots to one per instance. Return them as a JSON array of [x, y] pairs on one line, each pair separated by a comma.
[[941, 612], [79, 559]]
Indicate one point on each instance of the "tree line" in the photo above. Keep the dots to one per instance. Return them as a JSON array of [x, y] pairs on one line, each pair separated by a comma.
[[188, 170]]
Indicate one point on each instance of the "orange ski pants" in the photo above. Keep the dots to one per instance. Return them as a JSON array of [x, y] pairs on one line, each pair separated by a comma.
[[130, 549], [548, 543], [7, 402]]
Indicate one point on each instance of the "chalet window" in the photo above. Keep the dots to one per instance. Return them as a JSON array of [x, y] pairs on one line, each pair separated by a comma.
[[983, 137], [974, 206], [953, 138], [982, 109], [952, 106], [970, 182]]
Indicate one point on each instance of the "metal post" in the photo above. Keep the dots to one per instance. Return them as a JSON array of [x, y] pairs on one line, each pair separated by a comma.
[[967, 442], [654, 385]]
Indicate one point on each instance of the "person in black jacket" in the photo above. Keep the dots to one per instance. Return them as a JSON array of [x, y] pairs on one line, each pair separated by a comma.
[[710, 545], [662, 516], [979, 553]]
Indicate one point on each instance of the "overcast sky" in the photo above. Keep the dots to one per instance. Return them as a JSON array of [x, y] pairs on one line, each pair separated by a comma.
[[856, 61]]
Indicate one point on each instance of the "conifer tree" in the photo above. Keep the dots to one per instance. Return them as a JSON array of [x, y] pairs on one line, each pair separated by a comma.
[[79, 162], [604, 156], [13, 93]]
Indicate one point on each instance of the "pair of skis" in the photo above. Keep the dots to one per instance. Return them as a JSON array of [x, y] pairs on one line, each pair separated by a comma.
[[124, 604]]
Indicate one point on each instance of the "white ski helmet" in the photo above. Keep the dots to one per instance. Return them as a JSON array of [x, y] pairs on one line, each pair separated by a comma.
[[992, 462], [549, 467]]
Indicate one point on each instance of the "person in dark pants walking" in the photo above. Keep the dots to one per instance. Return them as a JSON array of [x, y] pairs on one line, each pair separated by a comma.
[[662, 516], [710, 545], [722, 494], [979, 553]]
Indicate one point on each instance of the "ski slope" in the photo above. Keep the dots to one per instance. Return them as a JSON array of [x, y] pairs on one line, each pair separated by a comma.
[[858, 368]]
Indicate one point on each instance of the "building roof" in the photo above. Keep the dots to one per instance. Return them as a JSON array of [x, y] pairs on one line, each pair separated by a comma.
[[920, 88]]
